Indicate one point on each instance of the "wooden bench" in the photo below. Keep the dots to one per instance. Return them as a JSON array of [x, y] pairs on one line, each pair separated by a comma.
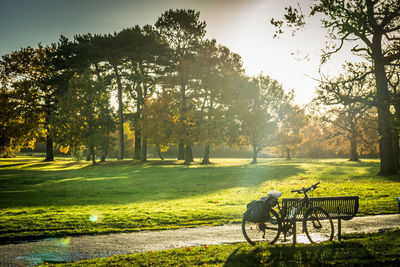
[[340, 208]]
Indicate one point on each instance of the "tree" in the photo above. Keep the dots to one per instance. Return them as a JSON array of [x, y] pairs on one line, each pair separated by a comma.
[[348, 100], [258, 112], [145, 58], [212, 73], [159, 121], [184, 31], [373, 27], [291, 120], [20, 117], [85, 116], [31, 73], [112, 54]]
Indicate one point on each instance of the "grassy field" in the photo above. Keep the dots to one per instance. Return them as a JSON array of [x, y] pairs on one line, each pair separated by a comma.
[[380, 249], [41, 199]]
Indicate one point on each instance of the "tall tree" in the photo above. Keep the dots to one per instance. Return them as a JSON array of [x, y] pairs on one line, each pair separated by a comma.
[[113, 55], [212, 73], [184, 31], [258, 112], [145, 57], [373, 26]]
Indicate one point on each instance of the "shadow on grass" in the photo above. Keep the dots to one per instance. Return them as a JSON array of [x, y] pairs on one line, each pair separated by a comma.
[[128, 182], [11, 165], [349, 253]]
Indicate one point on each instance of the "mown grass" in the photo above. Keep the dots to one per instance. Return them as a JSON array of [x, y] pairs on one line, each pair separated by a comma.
[[42, 199], [379, 249]]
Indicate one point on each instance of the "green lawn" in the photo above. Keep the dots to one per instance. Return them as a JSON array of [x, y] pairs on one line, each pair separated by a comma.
[[41, 199], [379, 249]]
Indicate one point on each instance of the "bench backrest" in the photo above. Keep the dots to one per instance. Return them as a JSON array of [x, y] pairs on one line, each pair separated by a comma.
[[337, 207]]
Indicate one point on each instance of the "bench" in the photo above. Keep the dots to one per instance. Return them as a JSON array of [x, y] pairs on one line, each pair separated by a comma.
[[340, 208]]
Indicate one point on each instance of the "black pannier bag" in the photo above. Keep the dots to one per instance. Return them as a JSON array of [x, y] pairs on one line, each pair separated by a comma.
[[257, 211]]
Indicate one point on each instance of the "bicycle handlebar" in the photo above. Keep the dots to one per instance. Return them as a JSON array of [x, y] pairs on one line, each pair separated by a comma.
[[305, 190]]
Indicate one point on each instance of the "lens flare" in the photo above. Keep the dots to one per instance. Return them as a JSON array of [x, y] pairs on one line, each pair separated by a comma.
[[93, 218], [65, 241]]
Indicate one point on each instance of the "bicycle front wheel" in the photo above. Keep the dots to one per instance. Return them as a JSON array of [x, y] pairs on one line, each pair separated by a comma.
[[262, 231], [318, 225]]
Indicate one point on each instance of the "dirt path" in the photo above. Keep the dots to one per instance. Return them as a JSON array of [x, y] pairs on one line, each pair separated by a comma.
[[54, 250]]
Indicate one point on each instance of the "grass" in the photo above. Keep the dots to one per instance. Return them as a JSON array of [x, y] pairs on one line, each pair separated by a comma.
[[357, 250], [41, 199]]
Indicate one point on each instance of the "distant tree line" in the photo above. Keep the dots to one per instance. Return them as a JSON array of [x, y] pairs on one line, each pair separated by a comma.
[[171, 88]]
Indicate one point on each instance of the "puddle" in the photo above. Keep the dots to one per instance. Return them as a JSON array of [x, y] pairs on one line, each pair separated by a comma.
[[45, 257], [50, 250]]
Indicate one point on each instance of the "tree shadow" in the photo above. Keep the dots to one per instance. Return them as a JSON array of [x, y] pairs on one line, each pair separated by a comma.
[[348, 253], [11, 165], [128, 182]]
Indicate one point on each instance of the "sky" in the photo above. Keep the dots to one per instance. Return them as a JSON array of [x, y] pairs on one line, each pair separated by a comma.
[[241, 25]]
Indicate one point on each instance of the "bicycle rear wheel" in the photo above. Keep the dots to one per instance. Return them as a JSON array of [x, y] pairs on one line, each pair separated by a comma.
[[264, 231], [318, 225]]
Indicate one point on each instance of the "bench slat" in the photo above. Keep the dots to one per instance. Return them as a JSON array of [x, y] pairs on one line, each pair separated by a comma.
[[344, 208]]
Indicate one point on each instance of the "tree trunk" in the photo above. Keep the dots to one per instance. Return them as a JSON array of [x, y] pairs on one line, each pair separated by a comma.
[[206, 158], [353, 141], [288, 153], [255, 152], [92, 154], [396, 147], [138, 145], [188, 154], [190, 151], [143, 157], [138, 129], [49, 148], [87, 155], [104, 155], [159, 152], [120, 117], [385, 124], [353, 149], [49, 137], [181, 151]]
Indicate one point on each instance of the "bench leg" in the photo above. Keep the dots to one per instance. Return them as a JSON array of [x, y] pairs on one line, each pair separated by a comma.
[[339, 224], [294, 232]]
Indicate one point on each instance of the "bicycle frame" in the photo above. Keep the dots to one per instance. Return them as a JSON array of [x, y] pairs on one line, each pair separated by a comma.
[[299, 205], [288, 220]]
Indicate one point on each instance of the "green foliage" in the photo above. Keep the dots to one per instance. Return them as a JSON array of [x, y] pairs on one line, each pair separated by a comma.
[[85, 116], [291, 120], [358, 250], [41, 199], [258, 111], [23, 77], [182, 29]]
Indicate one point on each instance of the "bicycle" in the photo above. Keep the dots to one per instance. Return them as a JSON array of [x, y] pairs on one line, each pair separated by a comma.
[[316, 222]]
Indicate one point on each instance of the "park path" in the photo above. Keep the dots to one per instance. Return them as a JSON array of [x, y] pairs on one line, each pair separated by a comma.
[[56, 250]]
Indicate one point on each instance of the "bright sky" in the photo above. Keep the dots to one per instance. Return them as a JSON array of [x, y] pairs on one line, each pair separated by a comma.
[[241, 25]]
